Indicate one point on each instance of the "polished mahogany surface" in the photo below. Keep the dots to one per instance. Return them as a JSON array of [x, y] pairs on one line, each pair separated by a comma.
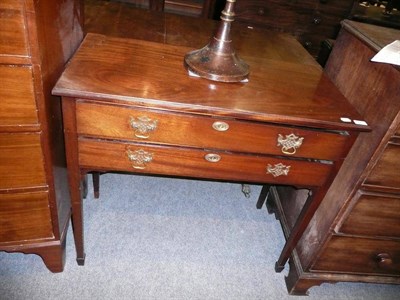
[[278, 90], [37, 38]]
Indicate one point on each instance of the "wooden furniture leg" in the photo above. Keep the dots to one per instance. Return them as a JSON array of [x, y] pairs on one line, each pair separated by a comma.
[[263, 196], [96, 184], [75, 179]]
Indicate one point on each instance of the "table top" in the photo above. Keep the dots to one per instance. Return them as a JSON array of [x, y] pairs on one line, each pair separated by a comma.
[[280, 89]]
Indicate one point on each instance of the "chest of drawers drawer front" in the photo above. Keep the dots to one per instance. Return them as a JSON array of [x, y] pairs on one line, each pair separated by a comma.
[[24, 216], [386, 171], [374, 215], [18, 106], [12, 28], [133, 157], [21, 161], [117, 122], [360, 256]]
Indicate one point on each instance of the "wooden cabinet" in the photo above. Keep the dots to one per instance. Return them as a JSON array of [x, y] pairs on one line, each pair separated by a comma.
[[355, 233], [195, 8], [310, 21], [36, 40]]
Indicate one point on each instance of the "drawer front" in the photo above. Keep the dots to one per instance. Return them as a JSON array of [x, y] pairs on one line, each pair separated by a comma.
[[118, 122], [24, 216], [155, 159], [360, 256], [21, 161], [18, 106], [374, 215], [386, 171], [12, 28]]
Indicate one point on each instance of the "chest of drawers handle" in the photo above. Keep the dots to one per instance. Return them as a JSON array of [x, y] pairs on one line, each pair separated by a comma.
[[139, 158], [278, 170], [143, 126], [220, 126], [290, 143], [212, 157], [384, 260]]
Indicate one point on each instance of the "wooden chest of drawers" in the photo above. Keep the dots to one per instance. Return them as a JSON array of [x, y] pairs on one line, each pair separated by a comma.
[[355, 233], [310, 21], [34, 198], [142, 113]]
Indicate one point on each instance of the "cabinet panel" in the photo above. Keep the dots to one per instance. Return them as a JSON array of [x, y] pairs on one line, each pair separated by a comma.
[[386, 172], [12, 29], [18, 106], [366, 216], [24, 216], [21, 161]]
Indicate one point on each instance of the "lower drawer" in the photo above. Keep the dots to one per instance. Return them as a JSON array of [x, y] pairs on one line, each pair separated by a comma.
[[24, 216], [360, 256], [374, 214], [386, 171], [21, 161], [154, 159]]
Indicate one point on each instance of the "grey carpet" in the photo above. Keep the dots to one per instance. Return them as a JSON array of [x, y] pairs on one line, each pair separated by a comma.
[[159, 238]]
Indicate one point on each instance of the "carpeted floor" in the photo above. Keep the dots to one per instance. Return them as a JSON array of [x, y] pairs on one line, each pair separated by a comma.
[[159, 238]]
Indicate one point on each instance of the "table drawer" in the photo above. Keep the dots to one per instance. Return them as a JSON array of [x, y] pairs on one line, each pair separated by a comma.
[[18, 106], [360, 256], [21, 161], [155, 159], [374, 214], [12, 28], [116, 122], [386, 171], [24, 216]]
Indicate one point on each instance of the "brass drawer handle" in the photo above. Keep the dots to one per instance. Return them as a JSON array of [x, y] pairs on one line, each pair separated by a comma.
[[220, 126], [139, 158], [143, 126], [278, 170], [290, 143], [212, 157]]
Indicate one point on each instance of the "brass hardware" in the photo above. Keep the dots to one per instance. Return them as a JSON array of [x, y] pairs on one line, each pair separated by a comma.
[[290, 143], [212, 157], [143, 126], [220, 126], [278, 170], [218, 60], [139, 158]]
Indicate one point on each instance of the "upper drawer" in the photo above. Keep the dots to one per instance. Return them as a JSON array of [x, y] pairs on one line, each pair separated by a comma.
[[13, 40], [24, 216], [189, 162], [18, 106], [386, 172], [373, 215], [360, 256], [21, 161], [116, 122]]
